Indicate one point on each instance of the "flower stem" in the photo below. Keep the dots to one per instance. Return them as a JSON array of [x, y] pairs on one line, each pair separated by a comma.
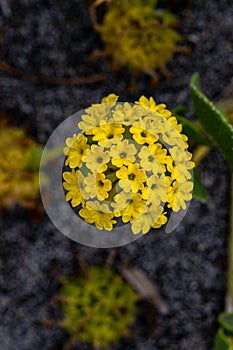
[[229, 297]]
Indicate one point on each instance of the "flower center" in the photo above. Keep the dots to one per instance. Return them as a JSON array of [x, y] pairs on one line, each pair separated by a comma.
[[123, 154], [150, 158], [131, 176], [99, 160]]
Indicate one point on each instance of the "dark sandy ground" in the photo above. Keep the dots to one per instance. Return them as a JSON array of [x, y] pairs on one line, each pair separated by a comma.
[[189, 265]]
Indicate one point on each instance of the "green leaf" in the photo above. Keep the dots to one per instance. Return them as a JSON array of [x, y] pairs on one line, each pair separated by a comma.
[[199, 192], [222, 342], [193, 132], [180, 110], [226, 321], [212, 120]]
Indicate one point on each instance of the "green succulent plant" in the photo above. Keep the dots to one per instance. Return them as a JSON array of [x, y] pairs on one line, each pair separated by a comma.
[[138, 36], [98, 307]]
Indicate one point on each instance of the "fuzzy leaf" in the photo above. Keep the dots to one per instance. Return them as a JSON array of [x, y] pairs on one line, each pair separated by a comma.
[[199, 192], [212, 120]]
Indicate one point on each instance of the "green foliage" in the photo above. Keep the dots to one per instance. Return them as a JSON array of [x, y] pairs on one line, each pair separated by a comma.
[[195, 134], [212, 120], [223, 342], [226, 321], [137, 36], [224, 337], [19, 166], [191, 129], [216, 130], [98, 307], [199, 192]]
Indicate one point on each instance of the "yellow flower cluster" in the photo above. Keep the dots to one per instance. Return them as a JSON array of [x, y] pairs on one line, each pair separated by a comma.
[[137, 35], [129, 164], [18, 177]]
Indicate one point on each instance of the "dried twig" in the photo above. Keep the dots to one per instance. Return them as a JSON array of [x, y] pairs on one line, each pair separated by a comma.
[[142, 284], [111, 258], [45, 80], [92, 10]]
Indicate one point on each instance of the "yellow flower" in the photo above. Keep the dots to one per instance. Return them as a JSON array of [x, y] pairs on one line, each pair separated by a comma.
[[71, 185], [133, 174], [140, 162], [111, 98], [97, 186], [157, 189], [123, 153], [181, 155], [180, 173], [178, 194], [97, 158], [121, 200], [5, 183], [129, 205], [142, 136], [182, 164], [172, 120], [145, 193], [146, 122], [76, 150], [147, 219], [161, 155], [82, 186], [125, 114], [151, 104], [161, 220], [178, 127], [107, 132], [169, 133], [19, 165], [149, 161], [98, 214], [69, 143], [98, 113], [15, 157]]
